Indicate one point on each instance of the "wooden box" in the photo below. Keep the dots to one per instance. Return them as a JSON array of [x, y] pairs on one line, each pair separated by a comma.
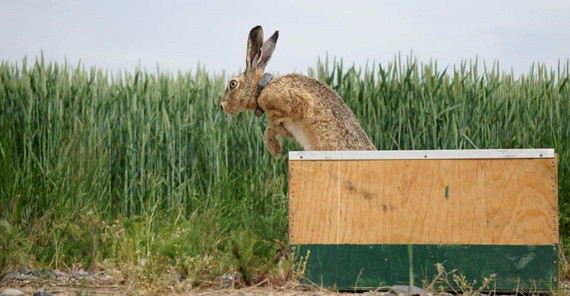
[[368, 219]]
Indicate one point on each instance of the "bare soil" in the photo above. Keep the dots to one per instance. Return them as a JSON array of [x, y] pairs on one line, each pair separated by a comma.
[[117, 289], [88, 287]]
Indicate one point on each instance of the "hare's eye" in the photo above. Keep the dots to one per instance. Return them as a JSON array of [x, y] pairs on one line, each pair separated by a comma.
[[233, 83]]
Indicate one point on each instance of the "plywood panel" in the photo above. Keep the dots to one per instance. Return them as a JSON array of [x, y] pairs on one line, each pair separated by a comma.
[[444, 201], [313, 202]]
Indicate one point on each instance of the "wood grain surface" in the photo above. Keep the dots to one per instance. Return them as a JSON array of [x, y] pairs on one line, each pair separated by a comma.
[[447, 201]]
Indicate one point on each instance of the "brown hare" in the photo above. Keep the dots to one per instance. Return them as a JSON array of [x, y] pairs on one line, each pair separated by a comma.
[[297, 106]]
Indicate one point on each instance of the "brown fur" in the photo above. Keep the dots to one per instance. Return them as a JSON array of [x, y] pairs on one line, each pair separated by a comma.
[[297, 106]]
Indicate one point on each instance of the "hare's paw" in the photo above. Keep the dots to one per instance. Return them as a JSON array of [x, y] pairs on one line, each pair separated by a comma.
[[274, 146], [272, 142]]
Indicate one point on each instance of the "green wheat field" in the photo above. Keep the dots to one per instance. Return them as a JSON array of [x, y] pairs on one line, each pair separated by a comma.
[[141, 172]]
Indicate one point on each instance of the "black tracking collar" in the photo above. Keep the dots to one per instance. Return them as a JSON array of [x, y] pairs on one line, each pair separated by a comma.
[[260, 86]]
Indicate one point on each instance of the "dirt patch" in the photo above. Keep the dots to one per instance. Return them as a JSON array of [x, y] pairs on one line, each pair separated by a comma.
[[88, 286], [99, 289]]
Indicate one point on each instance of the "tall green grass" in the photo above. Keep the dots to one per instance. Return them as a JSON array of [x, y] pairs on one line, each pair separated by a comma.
[[99, 168], [84, 152]]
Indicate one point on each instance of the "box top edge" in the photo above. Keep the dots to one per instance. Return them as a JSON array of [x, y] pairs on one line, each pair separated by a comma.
[[422, 154]]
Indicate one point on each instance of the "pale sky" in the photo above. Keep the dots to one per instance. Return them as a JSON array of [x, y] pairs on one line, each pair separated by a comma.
[[177, 35]]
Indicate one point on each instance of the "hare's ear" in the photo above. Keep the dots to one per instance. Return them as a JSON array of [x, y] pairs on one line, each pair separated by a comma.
[[254, 44], [267, 51]]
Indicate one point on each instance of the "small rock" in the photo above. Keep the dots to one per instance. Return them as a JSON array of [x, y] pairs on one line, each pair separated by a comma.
[[103, 276], [11, 276], [12, 292], [42, 273], [81, 273], [42, 293], [25, 271], [408, 290], [57, 273], [229, 278]]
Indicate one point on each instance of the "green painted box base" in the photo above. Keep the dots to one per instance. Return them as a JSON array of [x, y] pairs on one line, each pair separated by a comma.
[[365, 267]]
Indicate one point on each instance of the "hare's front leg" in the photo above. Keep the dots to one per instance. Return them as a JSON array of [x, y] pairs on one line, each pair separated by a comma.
[[271, 140], [281, 130]]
